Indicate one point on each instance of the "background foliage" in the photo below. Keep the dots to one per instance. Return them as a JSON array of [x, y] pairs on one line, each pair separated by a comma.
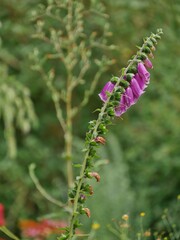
[[143, 149]]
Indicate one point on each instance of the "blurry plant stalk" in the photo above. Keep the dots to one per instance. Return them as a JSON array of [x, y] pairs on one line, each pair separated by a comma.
[[74, 51], [16, 109], [98, 127]]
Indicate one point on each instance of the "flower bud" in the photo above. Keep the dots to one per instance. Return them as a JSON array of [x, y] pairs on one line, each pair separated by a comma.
[[102, 128], [117, 96], [87, 212], [148, 63], [146, 50], [125, 217], [114, 79], [157, 36], [116, 103], [101, 140], [95, 175], [151, 55], [129, 76], [153, 48], [153, 40], [91, 192], [149, 44], [142, 56], [110, 112], [120, 90], [82, 198], [132, 69], [124, 83]]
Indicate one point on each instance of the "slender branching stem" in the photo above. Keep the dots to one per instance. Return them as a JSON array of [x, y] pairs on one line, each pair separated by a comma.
[[68, 134]]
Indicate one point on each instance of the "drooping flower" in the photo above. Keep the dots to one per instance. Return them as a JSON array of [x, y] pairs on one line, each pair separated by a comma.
[[121, 108], [129, 97], [107, 88], [143, 72], [141, 81], [95, 175], [137, 91], [100, 139], [87, 212], [148, 63]]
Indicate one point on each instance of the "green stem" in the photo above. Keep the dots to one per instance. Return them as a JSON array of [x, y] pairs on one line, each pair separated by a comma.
[[94, 133]]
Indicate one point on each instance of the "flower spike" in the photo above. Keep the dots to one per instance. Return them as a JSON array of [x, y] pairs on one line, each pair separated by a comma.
[[118, 95]]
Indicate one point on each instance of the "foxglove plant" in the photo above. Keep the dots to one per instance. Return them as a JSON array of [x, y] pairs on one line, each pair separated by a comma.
[[118, 95]]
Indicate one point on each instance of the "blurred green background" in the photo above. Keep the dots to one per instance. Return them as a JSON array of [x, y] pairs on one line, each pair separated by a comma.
[[142, 149]]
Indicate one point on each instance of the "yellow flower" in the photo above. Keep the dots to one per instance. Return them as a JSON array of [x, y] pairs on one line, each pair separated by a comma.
[[142, 214], [125, 217], [147, 233], [178, 197], [95, 226]]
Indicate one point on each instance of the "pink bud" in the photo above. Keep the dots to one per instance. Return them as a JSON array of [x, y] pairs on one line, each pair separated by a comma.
[[148, 63]]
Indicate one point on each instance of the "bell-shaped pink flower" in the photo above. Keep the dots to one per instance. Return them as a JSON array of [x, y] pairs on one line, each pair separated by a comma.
[[141, 81], [107, 88], [122, 108], [129, 97], [137, 91], [143, 72]]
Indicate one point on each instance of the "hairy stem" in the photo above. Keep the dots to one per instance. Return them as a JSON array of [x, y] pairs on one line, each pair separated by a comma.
[[94, 134]]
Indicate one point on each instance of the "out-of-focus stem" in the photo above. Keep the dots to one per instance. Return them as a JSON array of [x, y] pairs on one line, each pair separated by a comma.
[[68, 134]]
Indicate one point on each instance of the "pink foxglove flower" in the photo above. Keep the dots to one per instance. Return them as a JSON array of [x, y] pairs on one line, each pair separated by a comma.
[[107, 88], [148, 63], [141, 81], [143, 72], [132, 93], [137, 91], [121, 108], [129, 97]]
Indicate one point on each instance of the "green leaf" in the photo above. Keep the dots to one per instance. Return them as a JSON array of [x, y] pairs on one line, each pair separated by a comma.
[[8, 233]]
